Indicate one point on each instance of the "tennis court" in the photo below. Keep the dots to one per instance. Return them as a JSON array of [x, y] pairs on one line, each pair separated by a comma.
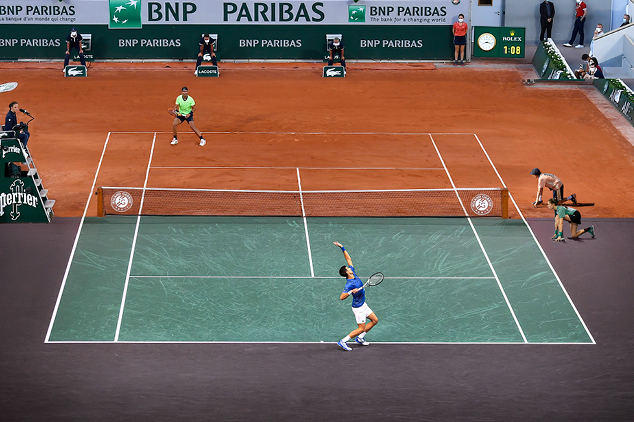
[[274, 279]]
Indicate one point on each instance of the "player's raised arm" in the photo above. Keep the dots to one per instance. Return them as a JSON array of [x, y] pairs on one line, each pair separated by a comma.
[[345, 253]]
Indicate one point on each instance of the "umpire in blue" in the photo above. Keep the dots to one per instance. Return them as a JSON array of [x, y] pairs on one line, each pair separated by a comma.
[[73, 41], [336, 47], [11, 123], [206, 50]]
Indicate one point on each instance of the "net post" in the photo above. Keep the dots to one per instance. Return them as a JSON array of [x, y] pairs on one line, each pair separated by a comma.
[[100, 209], [505, 203]]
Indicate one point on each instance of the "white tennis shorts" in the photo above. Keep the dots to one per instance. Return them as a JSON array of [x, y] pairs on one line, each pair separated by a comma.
[[361, 313]]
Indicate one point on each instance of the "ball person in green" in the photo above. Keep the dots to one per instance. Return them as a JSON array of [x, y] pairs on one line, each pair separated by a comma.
[[184, 111]]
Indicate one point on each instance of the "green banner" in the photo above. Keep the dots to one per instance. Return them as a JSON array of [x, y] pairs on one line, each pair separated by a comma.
[[492, 41], [615, 91], [176, 42], [22, 198], [548, 64]]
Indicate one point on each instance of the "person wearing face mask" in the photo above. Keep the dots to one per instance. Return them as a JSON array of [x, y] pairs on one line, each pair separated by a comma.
[[336, 47], [594, 70], [626, 20], [597, 32], [546, 15], [459, 31], [583, 70], [581, 12], [73, 41], [11, 121]]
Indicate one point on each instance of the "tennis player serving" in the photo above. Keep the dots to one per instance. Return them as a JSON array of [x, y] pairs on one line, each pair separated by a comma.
[[361, 310], [184, 111]]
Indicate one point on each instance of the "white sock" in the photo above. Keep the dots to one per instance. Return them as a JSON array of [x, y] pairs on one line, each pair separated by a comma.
[[360, 336], [345, 339]]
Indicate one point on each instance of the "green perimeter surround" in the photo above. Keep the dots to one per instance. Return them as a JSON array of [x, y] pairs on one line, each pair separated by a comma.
[[286, 42]]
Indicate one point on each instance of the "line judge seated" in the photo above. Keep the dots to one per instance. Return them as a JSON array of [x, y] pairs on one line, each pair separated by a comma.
[[73, 41], [336, 47], [206, 51]]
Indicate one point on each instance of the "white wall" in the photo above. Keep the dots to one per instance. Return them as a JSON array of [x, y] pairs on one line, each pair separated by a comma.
[[608, 49], [525, 13]]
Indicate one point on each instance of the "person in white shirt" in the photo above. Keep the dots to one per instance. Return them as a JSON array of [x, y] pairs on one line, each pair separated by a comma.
[[597, 33]]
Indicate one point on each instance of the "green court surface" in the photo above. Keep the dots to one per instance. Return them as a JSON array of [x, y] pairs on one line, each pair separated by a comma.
[[275, 279]]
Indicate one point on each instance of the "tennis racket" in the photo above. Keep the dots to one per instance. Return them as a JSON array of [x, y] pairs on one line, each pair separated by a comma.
[[374, 280], [9, 86], [173, 112]]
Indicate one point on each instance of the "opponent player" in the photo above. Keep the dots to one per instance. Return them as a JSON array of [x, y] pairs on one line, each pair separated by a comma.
[[360, 309], [184, 111], [73, 41], [206, 47], [336, 47], [553, 183], [572, 216]]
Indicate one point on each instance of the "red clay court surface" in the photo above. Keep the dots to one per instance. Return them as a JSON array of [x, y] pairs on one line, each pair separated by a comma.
[[249, 113]]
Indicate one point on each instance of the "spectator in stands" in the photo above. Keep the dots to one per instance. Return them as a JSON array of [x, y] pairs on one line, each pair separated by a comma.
[[546, 15], [626, 20], [594, 70], [459, 31], [73, 41], [597, 33], [206, 51], [11, 121], [581, 12], [583, 70]]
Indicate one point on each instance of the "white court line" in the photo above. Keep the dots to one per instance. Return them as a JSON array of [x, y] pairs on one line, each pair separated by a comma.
[[330, 342], [267, 277], [322, 133], [72, 252], [301, 198], [536, 242], [289, 168], [486, 256], [136, 232]]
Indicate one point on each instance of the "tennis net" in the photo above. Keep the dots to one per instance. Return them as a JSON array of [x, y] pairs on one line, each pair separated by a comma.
[[484, 202]]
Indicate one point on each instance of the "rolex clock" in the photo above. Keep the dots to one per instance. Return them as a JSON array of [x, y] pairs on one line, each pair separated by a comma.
[[487, 41], [498, 41]]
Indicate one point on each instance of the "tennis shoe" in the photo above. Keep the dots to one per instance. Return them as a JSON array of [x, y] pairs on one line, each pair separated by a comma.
[[174, 141], [344, 346], [591, 231], [579, 46], [202, 142], [361, 341], [567, 44]]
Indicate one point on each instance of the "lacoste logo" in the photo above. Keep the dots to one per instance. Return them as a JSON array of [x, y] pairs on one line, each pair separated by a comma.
[[73, 71], [333, 72]]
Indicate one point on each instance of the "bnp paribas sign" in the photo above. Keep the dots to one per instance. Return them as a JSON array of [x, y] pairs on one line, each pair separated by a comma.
[[133, 14], [125, 14]]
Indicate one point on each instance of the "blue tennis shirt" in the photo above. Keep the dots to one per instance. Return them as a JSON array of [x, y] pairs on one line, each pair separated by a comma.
[[358, 298]]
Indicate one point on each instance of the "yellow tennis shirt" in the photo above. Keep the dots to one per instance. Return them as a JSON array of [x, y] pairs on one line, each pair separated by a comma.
[[185, 106]]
